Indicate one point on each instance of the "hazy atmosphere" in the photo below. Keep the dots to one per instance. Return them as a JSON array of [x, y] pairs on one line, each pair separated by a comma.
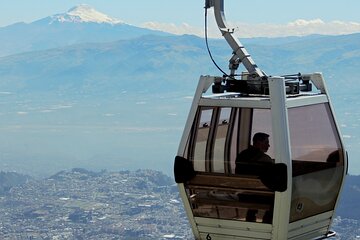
[[94, 96], [108, 85]]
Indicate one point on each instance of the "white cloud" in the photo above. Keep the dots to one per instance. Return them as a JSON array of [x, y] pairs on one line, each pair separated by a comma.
[[183, 28], [22, 113], [299, 27], [140, 103], [46, 111], [302, 22]]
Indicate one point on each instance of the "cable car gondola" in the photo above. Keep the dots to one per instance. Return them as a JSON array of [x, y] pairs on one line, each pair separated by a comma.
[[292, 197]]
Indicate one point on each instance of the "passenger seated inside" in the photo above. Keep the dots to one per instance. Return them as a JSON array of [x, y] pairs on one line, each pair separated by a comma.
[[255, 153]]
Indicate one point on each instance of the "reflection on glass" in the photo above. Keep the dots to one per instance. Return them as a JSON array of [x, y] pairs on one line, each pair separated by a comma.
[[202, 135], [317, 160], [218, 164]]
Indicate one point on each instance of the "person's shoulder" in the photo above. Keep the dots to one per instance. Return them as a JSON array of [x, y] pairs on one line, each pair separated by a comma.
[[266, 158], [246, 150], [247, 155], [249, 150]]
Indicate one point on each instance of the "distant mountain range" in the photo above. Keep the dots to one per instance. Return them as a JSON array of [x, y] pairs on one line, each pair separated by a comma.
[[81, 24], [154, 62], [84, 48]]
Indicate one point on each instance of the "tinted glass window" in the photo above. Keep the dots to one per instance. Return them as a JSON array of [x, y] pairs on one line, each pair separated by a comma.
[[219, 164], [201, 138], [219, 133], [317, 161], [313, 133]]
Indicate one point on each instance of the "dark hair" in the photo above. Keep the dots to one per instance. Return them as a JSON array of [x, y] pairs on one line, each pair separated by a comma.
[[259, 137]]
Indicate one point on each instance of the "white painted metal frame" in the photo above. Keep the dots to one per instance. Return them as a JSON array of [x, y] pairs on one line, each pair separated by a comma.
[[281, 141], [220, 229], [311, 227], [203, 85]]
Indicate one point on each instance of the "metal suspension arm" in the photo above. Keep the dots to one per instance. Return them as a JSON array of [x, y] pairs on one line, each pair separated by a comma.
[[239, 51]]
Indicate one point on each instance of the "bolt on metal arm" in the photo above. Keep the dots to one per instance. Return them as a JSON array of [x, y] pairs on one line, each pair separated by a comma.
[[240, 55]]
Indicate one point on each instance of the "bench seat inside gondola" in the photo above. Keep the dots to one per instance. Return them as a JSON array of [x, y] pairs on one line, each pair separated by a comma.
[[305, 167], [235, 191]]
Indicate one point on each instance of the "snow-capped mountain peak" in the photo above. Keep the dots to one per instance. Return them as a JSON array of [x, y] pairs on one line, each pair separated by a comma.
[[84, 13]]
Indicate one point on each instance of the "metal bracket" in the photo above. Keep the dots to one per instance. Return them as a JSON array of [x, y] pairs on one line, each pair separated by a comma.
[[238, 49]]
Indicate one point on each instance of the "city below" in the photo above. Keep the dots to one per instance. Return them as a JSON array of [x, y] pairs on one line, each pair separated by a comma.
[[80, 204], [85, 205]]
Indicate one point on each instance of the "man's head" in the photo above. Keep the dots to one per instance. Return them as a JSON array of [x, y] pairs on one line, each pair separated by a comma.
[[261, 141]]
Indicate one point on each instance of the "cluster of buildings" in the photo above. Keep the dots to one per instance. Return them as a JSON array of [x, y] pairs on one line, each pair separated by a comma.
[[80, 204]]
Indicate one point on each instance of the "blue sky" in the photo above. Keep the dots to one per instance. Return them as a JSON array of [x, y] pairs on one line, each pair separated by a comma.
[[251, 18]]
